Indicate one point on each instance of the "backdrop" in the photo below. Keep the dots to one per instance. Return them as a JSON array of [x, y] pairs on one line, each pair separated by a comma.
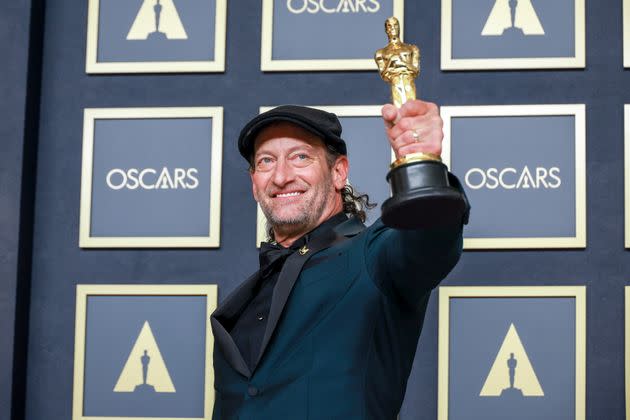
[[38, 302]]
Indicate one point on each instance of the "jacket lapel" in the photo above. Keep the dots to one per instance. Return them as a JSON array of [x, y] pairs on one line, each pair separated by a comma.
[[292, 268], [224, 317]]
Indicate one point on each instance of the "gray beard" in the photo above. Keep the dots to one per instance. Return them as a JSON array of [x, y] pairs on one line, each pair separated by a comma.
[[308, 215], [310, 212]]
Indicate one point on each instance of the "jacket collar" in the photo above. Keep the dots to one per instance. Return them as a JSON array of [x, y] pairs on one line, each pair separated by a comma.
[[226, 314]]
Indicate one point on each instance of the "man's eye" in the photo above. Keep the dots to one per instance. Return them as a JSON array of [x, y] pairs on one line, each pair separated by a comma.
[[264, 163], [302, 156]]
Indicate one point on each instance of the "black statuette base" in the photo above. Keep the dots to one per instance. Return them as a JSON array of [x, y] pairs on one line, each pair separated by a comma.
[[422, 197]]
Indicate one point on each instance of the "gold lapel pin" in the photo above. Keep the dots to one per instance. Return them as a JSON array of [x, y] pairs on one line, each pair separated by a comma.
[[303, 250]]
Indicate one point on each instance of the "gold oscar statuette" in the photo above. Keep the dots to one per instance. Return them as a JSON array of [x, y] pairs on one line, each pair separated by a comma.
[[422, 194]]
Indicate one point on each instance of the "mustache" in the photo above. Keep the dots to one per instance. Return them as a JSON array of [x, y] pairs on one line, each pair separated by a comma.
[[272, 192]]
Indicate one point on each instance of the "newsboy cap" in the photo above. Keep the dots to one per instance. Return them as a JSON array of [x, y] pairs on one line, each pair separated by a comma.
[[323, 124]]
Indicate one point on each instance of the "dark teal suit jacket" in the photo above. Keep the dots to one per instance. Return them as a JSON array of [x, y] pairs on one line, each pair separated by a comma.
[[343, 328]]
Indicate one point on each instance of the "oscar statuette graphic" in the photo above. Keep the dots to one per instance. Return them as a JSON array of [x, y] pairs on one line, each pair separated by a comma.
[[422, 194]]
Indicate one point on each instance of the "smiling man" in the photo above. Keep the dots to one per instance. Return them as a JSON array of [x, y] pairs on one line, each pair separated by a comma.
[[327, 328]]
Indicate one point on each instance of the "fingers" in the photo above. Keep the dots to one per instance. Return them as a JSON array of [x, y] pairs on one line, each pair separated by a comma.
[[417, 107], [390, 115], [429, 141], [423, 122], [415, 127]]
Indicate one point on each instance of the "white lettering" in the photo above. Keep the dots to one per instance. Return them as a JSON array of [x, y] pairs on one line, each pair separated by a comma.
[[361, 5], [480, 172], [492, 176], [347, 6], [555, 174], [132, 174], [164, 181], [376, 6], [511, 178], [525, 179], [333, 6], [191, 176], [108, 179], [180, 174], [142, 183], [133, 178], [293, 9], [503, 183], [313, 7], [325, 9], [541, 177]]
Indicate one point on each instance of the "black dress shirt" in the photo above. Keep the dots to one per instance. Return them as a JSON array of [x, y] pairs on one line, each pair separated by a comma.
[[249, 329]]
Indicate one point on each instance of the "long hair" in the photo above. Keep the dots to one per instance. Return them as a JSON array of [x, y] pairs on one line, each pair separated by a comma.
[[354, 203]]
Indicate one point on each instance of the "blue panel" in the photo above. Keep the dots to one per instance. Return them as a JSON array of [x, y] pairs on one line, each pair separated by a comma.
[[113, 325], [116, 18], [370, 154], [469, 17], [298, 28], [151, 177], [519, 173], [546, 328]]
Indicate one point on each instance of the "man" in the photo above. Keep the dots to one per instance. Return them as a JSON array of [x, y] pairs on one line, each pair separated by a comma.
[[327, 328]]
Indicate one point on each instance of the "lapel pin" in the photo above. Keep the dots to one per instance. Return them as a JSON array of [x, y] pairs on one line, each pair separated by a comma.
[[303, 250]]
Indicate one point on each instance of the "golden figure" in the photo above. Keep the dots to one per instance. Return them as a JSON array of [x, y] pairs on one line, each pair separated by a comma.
[[398, 64]]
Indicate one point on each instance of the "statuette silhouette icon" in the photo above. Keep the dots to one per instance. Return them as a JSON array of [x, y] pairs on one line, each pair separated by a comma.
[[145, 370], [516, 17], [158, 10], [145, 360], [512, 373], [511, 363], [157, 20]]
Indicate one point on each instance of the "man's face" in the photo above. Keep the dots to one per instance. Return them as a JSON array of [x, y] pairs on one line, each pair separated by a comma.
[[291, 179]]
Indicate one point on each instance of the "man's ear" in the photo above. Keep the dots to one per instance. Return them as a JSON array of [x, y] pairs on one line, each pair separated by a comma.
[[340, 172]]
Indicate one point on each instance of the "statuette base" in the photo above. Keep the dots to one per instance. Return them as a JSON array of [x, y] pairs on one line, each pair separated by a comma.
[[422, 196]]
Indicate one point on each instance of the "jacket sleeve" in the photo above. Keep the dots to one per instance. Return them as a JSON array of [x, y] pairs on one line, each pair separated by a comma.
[[407, 264]]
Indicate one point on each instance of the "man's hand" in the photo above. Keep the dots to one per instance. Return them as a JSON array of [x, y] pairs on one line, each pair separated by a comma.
[[415, 127]]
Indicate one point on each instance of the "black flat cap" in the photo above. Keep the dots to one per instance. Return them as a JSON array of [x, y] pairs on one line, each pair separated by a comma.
[[323, 124]]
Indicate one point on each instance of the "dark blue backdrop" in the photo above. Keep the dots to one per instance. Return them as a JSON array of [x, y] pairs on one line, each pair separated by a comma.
[[58, 264]]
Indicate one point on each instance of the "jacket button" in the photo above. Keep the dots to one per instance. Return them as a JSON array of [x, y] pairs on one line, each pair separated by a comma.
[[252, 391]]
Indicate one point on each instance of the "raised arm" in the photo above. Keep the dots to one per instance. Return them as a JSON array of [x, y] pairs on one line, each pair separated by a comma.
[[406, 264]]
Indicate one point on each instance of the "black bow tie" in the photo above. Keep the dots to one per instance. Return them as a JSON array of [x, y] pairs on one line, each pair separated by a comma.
[[273, 255]]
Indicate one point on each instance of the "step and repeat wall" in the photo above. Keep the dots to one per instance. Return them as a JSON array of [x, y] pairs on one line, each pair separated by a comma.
[[144, 219]]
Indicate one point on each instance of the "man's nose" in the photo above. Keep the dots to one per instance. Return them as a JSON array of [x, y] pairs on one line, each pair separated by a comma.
[[283, 173]]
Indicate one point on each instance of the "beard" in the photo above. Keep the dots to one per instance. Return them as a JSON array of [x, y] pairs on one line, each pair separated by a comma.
[[302, 215]]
